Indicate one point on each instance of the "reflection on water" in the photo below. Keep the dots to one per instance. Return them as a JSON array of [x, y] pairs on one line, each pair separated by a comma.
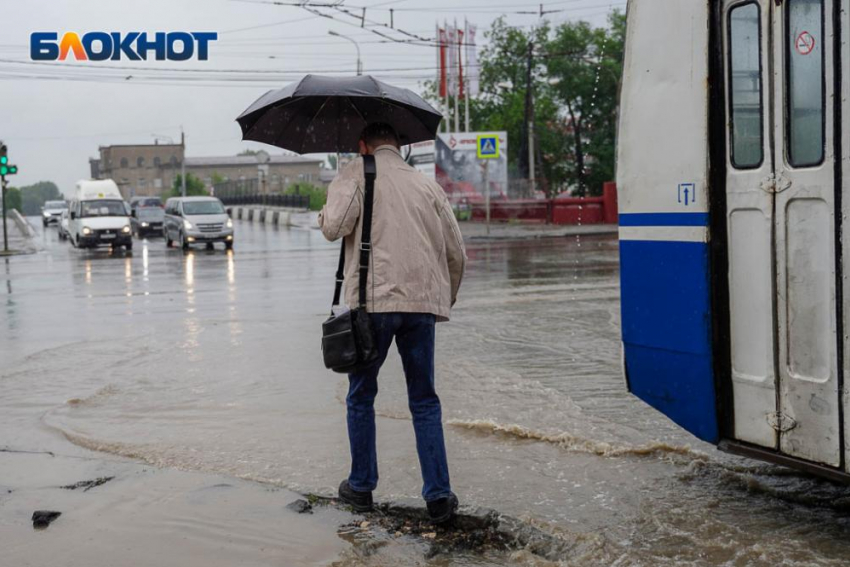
[[214, 375], [190, 272], [231, 268], [145, 262]]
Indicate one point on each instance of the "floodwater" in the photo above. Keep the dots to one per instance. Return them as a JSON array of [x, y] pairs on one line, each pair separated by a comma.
[[210, 362]]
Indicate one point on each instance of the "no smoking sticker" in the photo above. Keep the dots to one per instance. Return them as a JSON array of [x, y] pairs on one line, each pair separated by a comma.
[[805, 43]]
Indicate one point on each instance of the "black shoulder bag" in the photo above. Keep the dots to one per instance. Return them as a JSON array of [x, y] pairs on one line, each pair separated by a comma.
[[348, 342]]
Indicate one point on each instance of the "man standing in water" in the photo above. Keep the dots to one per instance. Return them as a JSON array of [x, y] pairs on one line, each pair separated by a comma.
[[417, 264]]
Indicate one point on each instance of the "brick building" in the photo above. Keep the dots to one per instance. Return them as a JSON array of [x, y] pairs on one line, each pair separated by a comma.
[[282, 171], [150, 169], [138, 169]]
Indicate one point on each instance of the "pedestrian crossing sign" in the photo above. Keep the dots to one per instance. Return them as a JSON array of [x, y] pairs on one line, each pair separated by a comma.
[[488, 146]]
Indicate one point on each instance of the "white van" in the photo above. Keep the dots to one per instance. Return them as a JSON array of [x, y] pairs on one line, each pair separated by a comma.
[[98, 216]]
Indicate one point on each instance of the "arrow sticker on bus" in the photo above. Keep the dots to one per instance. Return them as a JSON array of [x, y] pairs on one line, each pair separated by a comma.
[[687, 194], [805, 43]]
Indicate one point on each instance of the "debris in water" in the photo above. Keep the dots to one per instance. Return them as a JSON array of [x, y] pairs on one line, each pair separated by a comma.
[[300, 507], [472, 529], [87, 485], [43, 518]]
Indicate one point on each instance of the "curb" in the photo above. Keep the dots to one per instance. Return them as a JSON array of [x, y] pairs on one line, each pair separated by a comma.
[[538, 236]]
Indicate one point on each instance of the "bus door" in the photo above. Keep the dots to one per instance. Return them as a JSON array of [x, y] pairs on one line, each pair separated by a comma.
[[781, 226]]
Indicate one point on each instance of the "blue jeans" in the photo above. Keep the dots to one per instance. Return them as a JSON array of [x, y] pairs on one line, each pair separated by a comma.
[[414, 337]]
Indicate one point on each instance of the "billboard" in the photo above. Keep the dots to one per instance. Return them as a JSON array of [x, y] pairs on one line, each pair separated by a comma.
[[461, 173], [421, 157]]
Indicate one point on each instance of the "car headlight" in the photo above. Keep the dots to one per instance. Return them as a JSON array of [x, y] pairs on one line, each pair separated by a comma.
[[86, 231], [229, 223], [187, 225], [45, 213], [144, 225], [126, 229]]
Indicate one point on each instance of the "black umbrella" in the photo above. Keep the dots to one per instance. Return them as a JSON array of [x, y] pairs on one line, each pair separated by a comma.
[[327, 114]]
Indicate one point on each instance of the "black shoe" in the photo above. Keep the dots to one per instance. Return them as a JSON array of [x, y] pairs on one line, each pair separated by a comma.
[[442, 509], [360, 501]]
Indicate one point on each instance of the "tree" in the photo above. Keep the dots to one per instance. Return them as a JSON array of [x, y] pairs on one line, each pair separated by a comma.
[[318, 195], [332, 161], [587, 83], [194, 187], [34, 196], [13, 199], [575, 114]]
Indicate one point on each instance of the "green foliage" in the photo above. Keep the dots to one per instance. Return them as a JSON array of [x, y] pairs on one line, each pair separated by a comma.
[[33, 197], [576, 71], [588, 85], [194, 187], [318, 195], [332, 161], [14, 199]]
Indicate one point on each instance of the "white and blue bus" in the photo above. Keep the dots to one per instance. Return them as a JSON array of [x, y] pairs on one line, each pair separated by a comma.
[[734, 154]]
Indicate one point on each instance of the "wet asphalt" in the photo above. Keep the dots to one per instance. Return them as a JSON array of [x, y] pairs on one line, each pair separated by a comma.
[[209, 361]]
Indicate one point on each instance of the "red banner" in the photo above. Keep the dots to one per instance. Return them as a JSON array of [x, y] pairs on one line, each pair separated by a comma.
[[461, 89], [442, 47]]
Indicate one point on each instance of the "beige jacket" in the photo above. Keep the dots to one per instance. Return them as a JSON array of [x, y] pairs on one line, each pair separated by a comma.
[[418, 257]]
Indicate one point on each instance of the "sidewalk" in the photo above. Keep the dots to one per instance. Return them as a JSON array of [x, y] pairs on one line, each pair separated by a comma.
[[19, 243], [511, 231]]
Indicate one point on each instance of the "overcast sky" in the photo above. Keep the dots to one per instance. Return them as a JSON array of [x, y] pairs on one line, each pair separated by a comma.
[[55, 116]]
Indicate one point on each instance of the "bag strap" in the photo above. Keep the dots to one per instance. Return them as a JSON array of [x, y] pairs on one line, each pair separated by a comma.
[[370, 172], [340, 277]]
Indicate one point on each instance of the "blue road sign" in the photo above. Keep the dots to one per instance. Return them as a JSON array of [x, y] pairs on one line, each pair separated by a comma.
[[488, 146]]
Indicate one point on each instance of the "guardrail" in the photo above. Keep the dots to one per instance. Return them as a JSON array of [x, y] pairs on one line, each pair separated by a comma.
[[570, 210], [293, 201]]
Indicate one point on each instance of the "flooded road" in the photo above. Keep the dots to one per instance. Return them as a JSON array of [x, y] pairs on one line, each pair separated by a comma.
[[210, 362]]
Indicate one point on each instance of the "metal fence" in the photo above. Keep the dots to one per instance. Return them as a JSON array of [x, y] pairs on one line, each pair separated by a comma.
[[236, 187], [248, 192], [293, 201]]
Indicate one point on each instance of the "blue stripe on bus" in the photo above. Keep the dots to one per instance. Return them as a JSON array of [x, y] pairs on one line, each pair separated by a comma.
[[663, 219], [666, 320]]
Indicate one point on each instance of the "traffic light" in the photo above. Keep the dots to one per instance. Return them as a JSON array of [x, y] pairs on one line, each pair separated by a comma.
[[5, 168]]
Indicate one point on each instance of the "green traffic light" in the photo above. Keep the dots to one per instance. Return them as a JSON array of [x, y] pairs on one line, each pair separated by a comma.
[[4, 170], [13, 169], [4, 160]]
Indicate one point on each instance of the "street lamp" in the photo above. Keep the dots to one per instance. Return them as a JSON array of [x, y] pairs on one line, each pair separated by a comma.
[[359, 64]]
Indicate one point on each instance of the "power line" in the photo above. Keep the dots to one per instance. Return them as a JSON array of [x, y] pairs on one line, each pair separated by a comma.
[[99, 135]]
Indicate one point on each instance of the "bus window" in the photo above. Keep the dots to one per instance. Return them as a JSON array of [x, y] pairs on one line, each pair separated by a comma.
[[805, 88], [745, 89]]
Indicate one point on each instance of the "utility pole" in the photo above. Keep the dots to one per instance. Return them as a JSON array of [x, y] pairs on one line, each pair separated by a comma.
[[183, 164], [466, 75], [487, 192], [5, 233], [457, 82], [526, 151], [359, 67]]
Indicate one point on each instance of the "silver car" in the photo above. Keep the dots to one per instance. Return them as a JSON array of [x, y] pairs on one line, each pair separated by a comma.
[[51, 212], [196, 220]]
